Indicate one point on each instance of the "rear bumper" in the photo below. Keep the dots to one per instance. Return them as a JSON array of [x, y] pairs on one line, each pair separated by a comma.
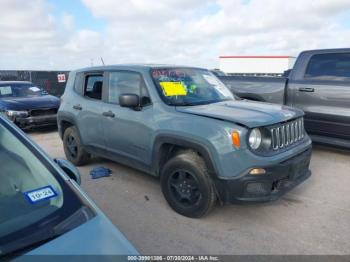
[[277, 181], [36, 121]]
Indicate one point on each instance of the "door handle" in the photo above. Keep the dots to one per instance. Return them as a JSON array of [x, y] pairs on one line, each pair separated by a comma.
[[77, 107], [108, 114], [306, 89]]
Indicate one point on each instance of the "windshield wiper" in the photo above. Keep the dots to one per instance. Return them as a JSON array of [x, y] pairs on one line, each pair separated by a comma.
[[205, 102], [40, 237], [26, 244], [181, 104]]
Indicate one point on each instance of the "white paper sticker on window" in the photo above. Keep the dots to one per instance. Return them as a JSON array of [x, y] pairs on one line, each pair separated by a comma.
[[211, 80], [34, 89], [218, 85], [5, 90]]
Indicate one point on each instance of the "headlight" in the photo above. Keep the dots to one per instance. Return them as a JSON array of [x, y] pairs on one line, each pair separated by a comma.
[[12, 113], [255, 138]]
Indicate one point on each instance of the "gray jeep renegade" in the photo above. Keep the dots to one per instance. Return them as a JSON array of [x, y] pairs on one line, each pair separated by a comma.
[[183, 125]]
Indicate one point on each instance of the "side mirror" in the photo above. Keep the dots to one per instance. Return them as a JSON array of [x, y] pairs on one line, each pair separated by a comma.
[[129, 100], [69, 169]]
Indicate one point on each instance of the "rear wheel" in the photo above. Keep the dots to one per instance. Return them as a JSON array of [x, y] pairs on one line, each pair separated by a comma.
[[187, 186], [73, 147]]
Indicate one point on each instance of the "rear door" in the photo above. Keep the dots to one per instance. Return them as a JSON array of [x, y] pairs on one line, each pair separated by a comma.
[[128, 131], [89, 109], [323, 92]]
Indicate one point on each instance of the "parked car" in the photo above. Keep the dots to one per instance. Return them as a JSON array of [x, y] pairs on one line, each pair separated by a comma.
[[218, 72], [319, 84], [43, 210], [183, 125], [28, 105]]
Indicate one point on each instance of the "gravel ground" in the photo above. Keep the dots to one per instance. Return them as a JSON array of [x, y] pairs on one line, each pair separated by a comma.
[[314, 218]]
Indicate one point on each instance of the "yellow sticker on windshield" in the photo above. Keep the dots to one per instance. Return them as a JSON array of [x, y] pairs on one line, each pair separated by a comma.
[[173, 88]]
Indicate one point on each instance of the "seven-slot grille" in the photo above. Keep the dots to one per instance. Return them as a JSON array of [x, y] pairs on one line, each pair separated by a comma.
[[287, 134]]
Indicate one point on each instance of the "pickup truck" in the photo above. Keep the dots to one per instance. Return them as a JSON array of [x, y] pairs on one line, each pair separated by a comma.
[[183, 125], [319, 84]]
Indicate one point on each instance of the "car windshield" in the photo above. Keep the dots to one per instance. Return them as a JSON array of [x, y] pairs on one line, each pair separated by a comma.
[[36, 203], [20, 90], [189, 86]]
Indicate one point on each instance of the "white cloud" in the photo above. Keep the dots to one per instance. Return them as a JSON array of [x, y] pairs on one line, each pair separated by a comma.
[[67, 21], [193, 32], [84, 41]]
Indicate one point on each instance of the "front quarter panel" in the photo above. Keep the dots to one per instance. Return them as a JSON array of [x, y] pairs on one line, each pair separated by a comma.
[[211, 135]]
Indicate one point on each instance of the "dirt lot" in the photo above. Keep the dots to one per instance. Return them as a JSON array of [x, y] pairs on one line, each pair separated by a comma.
[[312, 219]]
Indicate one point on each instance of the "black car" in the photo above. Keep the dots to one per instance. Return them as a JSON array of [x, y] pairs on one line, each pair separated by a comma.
[[27, 105]]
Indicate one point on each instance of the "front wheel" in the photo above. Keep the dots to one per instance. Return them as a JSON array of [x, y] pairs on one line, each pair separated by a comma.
[[187, 185], [73, 147]]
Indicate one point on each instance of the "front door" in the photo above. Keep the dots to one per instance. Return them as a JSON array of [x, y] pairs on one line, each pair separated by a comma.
[[128, 131]]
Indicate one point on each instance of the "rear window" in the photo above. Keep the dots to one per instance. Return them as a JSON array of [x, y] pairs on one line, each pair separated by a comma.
[[93, 86], [329, 67]]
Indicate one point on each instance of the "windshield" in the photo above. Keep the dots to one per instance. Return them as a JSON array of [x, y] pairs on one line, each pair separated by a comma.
[[34, 199], [189, 86], [20, 90]]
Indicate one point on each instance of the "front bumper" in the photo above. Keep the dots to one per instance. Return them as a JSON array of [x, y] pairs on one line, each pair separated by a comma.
[[277, 180], [36, 121]]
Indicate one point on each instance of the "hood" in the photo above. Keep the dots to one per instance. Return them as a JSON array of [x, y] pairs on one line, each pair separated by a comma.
[[28, 103], [247, 113], [95, 237]]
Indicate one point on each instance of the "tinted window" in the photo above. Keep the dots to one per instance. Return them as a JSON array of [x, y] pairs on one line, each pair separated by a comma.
[[127, 83], [329, 67], [93, 86]]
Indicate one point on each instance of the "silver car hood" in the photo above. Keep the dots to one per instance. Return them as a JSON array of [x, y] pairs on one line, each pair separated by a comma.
[[248, 113], [97, 236]]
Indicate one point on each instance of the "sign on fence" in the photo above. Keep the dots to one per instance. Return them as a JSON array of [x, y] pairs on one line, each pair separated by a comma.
[[61, 78]]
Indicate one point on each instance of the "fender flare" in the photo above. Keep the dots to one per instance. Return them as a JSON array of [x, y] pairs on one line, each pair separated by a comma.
[[185, 143], [67, 118]]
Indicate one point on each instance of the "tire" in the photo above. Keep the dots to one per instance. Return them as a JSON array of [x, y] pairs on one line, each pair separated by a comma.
[[187, 185], [73, 147]]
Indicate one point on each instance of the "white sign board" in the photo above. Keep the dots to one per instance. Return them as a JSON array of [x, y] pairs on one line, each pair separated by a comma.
[[61, 78]]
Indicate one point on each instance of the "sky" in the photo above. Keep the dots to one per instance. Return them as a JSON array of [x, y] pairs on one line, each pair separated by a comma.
[[70, 34]]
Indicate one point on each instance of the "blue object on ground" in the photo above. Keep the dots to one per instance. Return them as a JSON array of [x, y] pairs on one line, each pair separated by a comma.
[[98, 172]]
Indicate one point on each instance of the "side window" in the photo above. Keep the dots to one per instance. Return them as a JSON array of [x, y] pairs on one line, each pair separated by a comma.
[[93, 86], [127, 83], [329, 67]]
